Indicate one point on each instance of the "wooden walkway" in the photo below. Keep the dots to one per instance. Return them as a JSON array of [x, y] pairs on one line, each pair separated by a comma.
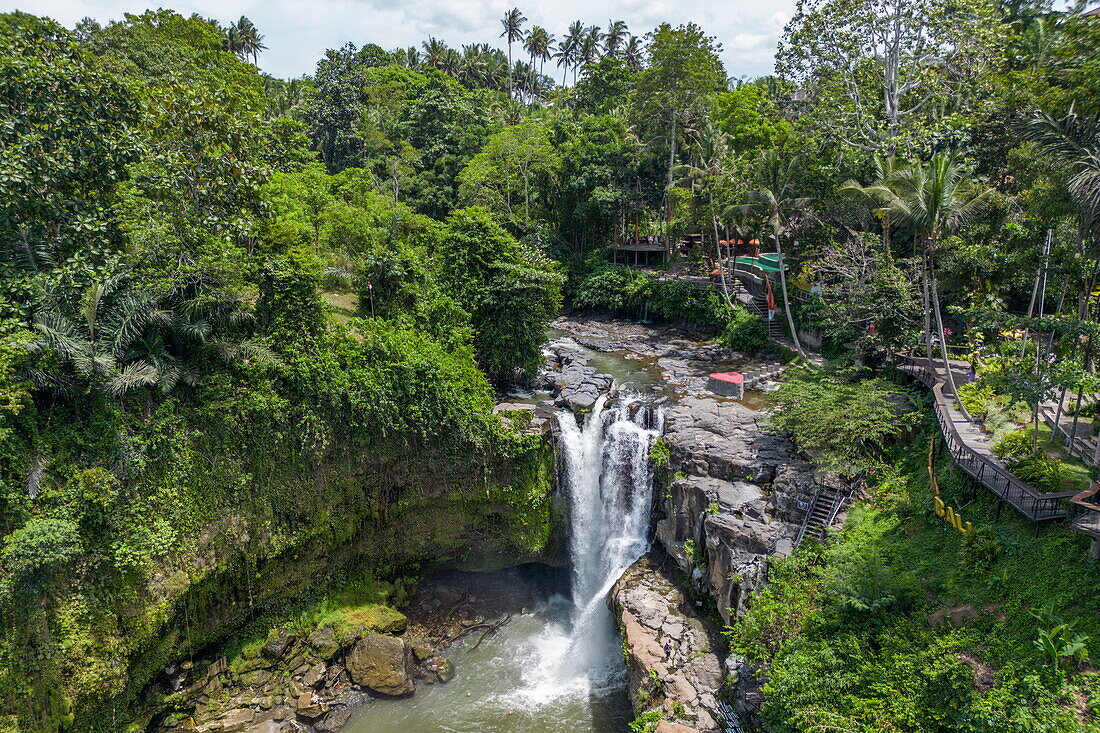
[[970, 449]]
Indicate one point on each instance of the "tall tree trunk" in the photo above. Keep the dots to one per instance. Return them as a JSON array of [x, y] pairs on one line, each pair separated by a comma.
[[927, 303], [786, 301], [721, 265], [671, 151], [934, 293], [886, 238]]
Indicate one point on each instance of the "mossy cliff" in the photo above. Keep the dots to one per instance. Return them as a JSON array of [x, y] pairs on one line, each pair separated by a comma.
[[140, 533]]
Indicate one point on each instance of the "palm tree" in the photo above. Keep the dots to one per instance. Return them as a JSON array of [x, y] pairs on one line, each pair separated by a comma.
[[233, 42], [936, 198], [451, 62], [773, 199], [513, 22], [710, 150], [114, 338], [879, 194], [434, 50], [537, 46], [249, 40], [633, 52], [570, 48], [564, 57], [614, 38], [589, 50], [1074, 141]]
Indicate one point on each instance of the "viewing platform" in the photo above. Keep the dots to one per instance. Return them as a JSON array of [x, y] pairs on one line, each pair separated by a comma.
[[970, 449]]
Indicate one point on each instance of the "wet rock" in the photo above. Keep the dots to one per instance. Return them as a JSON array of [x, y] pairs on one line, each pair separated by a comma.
[[383, 664], [324, 643], [438, 669], [669, 659]]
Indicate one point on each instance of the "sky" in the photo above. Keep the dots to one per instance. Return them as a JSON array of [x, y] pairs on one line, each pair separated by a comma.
[[297, 32]]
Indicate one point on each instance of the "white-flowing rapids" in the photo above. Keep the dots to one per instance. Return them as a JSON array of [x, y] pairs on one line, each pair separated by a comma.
[[608, 478]]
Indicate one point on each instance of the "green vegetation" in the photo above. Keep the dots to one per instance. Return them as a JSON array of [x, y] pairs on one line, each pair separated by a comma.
[[927, 627], [840, 420], [251, 328]]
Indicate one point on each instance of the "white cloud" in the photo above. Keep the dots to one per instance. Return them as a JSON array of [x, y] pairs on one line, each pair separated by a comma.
[[298, 33]]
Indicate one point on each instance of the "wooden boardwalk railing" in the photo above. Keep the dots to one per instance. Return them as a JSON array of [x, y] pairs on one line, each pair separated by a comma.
[[1036, 505]]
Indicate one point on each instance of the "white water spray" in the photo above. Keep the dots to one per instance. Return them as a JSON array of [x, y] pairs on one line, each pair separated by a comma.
[[607, 476]]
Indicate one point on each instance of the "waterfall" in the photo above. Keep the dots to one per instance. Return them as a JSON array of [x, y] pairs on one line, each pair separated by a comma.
[[607, 476]]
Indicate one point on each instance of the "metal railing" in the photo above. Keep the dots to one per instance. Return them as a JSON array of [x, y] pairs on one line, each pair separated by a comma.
[[1036, 505]]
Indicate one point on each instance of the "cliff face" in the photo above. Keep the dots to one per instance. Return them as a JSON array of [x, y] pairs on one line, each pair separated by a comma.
[[670, 657], [735, 498]]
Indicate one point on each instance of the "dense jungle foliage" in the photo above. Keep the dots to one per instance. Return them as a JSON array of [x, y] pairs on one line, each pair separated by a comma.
[[251, 328]]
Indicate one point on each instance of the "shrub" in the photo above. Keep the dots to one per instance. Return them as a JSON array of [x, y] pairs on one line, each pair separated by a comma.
[[841, 422], [38, 549], [746, 333], [976, 398], [980, 550], [1013, 445], [1040, 470], [618, 290]]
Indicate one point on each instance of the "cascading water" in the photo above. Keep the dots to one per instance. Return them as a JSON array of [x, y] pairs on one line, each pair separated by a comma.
[[607, 475], [558, 666]]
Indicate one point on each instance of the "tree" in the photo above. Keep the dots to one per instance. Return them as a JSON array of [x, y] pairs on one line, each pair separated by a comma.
[[936, 198], [615, 37], [71, 140], [875, 67], [513, 22], [751, 119], [839, 421], [569, 50], [538, 44], [509, 290], [683, 72], [606, 85], [774, 200], [633, 53], [249, 39], [705, 173], [513, 175], [879, 194], [1074, 142]]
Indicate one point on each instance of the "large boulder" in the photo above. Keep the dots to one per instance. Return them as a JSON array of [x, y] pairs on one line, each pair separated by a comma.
[[670, 663], [383, 664]]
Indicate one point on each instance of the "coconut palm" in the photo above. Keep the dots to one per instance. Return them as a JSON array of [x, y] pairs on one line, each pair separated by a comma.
[[233, 42], [569, 50], [537, 45], [513, 22], [251, 38], [936, 199], [879, 194], [563, 56], [774, 201], [615, 37], [633, 52], [434, 50], [588, 51]]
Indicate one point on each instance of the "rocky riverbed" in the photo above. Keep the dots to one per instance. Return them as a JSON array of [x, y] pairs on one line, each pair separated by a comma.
[[733, 497]]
